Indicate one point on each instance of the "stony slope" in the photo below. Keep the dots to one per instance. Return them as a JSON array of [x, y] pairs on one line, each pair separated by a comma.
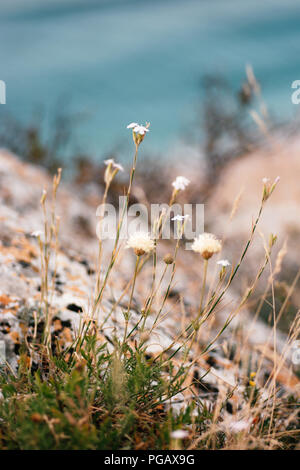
[[20, 214]]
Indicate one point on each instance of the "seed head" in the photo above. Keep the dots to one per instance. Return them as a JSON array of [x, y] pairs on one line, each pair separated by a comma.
[[207, 245], [141, 243], [168, 258]]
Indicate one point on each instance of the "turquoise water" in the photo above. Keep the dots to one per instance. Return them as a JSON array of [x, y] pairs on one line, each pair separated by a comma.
[[135, 60]]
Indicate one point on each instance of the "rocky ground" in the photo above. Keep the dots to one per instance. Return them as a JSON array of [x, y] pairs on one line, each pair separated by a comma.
[[21, 186]]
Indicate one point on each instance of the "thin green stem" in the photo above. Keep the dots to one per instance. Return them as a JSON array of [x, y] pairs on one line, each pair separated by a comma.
[[203, 286], [130, 298], [114, 251]]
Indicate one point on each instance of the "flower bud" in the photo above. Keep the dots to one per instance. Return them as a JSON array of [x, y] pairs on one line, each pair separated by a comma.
[[168, 258]]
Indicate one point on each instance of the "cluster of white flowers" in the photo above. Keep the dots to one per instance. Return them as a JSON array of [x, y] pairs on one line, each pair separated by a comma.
[[141, 243], [207, 245], [137, 128], [180, 183], [138, 132], [112, 163]]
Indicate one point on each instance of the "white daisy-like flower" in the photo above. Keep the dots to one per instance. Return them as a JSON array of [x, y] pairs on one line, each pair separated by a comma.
[[265, 180], [179, 434], [207, 245], [37, 233], [137, 128], [141, 243], [140, 130], [180, 183], [224, 263], [132, 125]]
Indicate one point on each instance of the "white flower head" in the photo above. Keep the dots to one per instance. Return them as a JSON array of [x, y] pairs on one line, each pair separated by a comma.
[[180, 183], [207, 245], [224, 263], [138, 131], [37, 233], [179, 434], [111, 162], [141, 243]]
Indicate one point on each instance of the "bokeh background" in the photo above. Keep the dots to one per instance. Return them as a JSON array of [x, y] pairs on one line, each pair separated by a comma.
[[109, 62]]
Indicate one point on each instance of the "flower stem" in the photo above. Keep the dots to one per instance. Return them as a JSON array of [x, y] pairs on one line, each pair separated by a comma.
[[203, 287], [115, 248], [130, 299]]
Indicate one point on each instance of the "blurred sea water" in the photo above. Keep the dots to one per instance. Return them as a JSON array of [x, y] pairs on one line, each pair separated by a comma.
[[136, 60]]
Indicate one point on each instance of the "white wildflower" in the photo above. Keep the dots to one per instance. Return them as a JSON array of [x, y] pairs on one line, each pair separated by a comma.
[[115, 165], [207, 245], [224, 263], [138, 132], [141, 243], [180, 183], [132, 125], [37, 233], [179, 434]]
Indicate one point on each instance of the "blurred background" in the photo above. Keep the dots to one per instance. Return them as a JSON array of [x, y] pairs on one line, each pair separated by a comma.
[[77, 71]]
